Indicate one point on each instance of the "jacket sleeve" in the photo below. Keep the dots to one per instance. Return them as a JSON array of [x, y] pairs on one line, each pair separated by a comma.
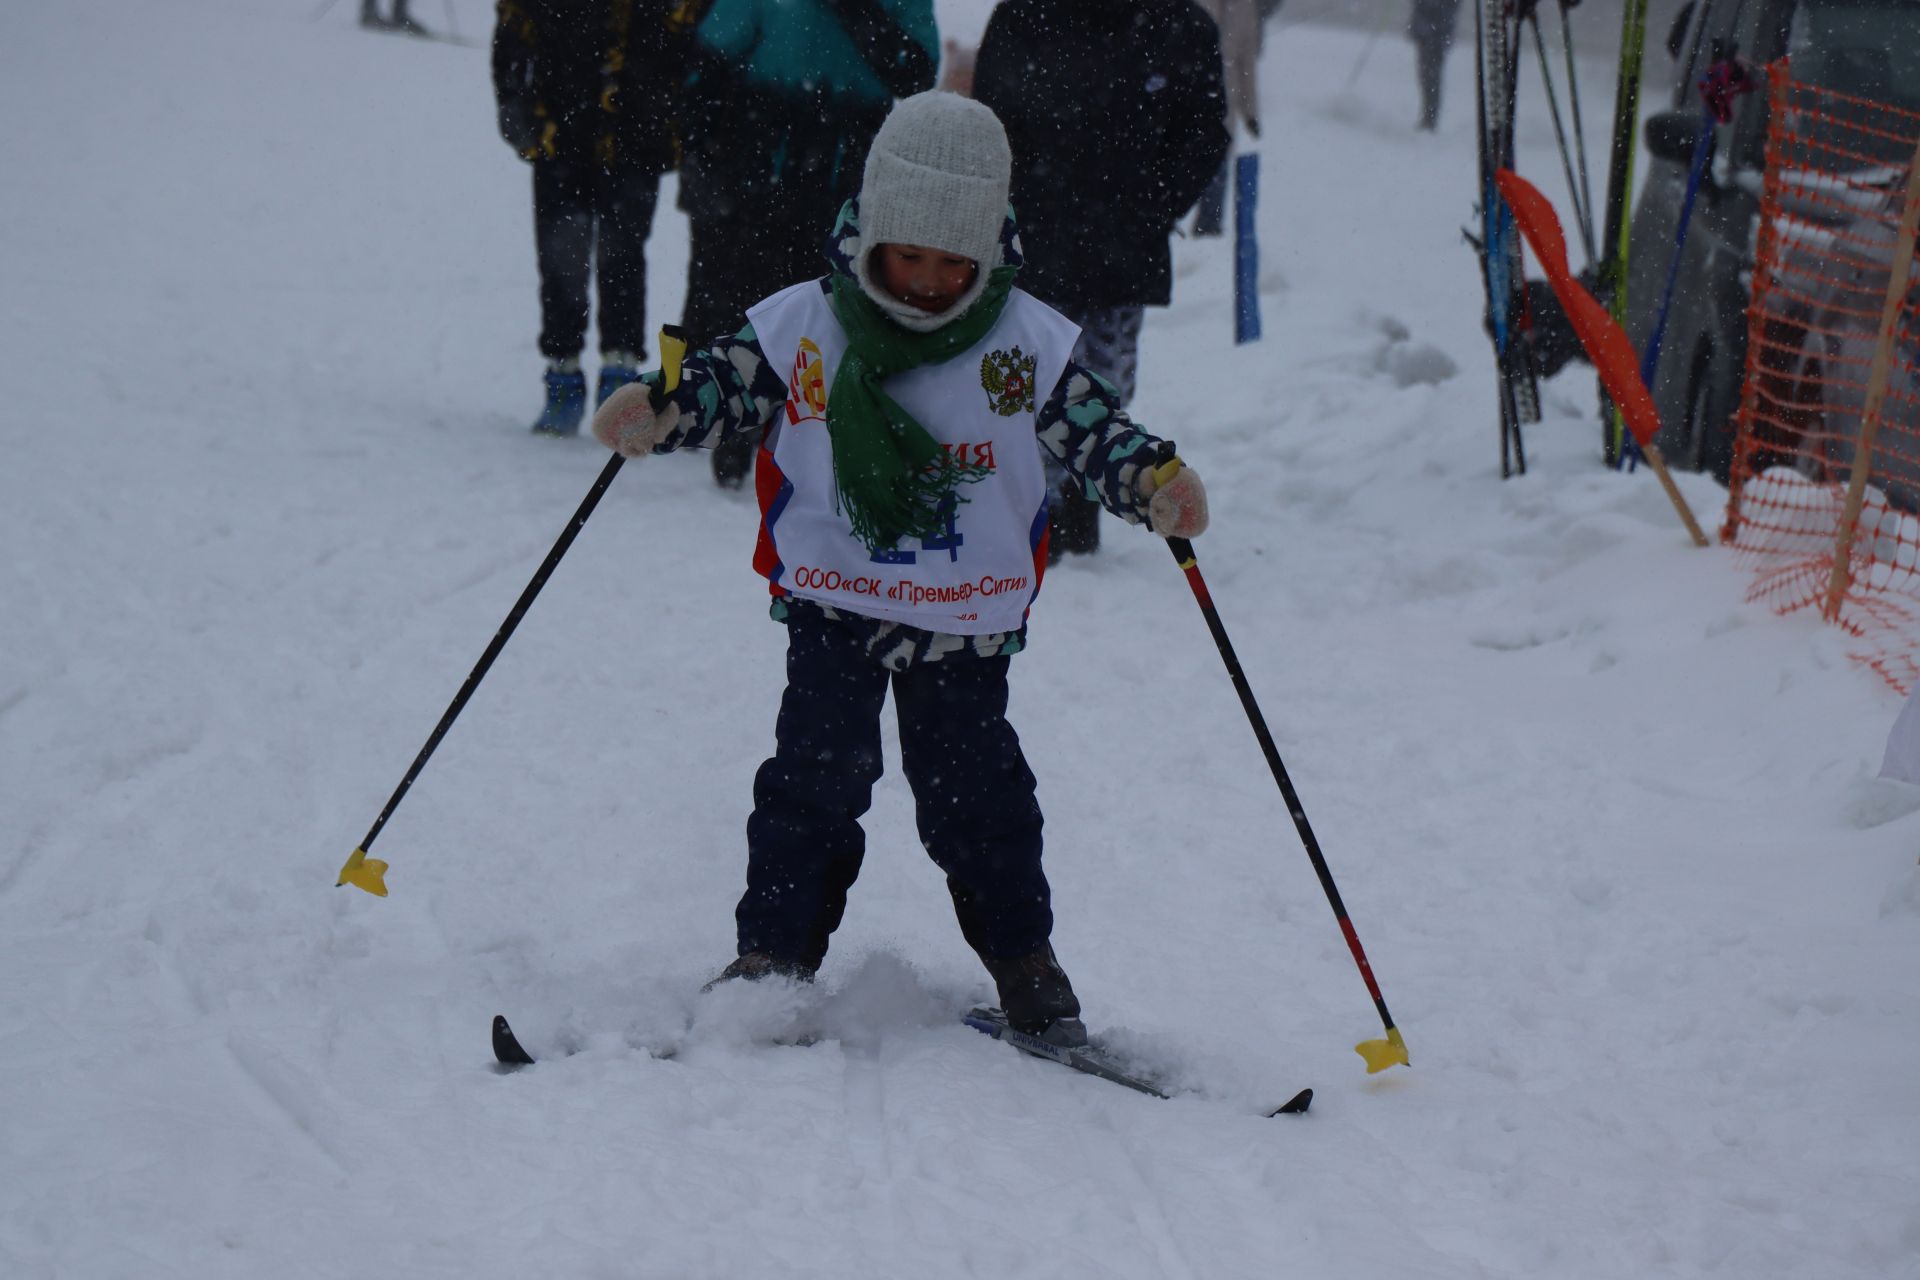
[[999, 67], [901, 58], [995, 70], [731, 29], [1084, 428], [726, 389], [513, 38]]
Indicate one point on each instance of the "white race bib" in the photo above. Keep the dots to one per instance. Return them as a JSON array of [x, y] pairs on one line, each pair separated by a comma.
[[979, 574]]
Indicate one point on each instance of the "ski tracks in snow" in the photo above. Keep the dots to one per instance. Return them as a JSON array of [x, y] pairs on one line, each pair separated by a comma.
[[911, 1128], [929, 1118], [863, 1094], [1112, 1164], [1099, 1141]]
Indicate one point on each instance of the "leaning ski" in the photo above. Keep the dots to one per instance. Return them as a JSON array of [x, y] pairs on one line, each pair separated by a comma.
[[1496, 78], [1089, 1059], [1612, 279]]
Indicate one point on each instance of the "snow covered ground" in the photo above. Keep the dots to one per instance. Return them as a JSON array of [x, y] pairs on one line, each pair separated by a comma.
[[1611, 836]]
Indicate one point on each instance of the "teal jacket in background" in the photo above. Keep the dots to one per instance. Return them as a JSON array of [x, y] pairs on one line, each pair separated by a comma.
[[801, 48]]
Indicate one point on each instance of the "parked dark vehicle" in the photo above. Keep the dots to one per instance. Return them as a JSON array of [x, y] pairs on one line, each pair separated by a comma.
[[1869, 49], [1822, 342]]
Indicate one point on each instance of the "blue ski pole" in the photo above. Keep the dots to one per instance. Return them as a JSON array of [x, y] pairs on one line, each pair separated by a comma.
[[1718, 87]]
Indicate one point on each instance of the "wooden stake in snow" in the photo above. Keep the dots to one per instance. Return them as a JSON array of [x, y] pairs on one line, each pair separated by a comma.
[[1877, 376]]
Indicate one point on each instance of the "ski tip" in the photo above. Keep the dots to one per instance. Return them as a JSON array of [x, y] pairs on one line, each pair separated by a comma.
[[1295, 1106], [507, 1050]]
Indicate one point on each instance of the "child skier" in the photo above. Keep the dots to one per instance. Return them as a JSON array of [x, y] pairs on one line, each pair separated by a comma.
[[907, 399]]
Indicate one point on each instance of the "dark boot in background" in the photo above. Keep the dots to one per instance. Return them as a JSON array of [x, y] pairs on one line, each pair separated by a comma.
[[733, 462], [1073, 524]]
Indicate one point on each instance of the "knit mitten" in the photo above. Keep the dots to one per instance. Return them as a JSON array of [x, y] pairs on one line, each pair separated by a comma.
[[1176, 509], [628, 425]]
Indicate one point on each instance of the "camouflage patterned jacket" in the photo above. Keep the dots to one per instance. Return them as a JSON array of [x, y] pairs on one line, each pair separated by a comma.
[[729, 389]]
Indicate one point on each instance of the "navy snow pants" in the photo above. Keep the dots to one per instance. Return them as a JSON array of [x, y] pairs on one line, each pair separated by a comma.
[[973, 794], [589, 222]]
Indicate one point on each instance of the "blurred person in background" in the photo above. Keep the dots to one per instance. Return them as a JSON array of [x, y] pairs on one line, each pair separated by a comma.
[[713, 179], [1431, 27], [583, 91], [1116, 113], [787, 95], [956, 67], [1241, 26], [397, 19]]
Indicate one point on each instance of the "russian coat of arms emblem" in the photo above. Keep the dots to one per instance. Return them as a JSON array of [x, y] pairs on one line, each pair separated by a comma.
[[1007, 377]]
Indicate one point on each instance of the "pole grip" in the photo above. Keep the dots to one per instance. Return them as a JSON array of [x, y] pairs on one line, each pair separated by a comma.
[[673, 349]]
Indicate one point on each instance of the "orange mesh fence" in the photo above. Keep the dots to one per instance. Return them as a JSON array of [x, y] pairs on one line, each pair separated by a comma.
[[1833, 361]]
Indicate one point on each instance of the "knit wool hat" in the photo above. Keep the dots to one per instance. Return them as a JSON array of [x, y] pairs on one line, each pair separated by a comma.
[[937, 175]]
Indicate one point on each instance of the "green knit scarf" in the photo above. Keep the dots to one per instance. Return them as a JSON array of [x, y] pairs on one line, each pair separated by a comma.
[[893, 480]]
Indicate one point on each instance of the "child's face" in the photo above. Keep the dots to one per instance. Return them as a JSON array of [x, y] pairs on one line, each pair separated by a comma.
[[929, 280]]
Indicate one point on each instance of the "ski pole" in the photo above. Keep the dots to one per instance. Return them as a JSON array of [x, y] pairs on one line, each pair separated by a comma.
[[1379, 1054], [1725, 80], [1650, 359], [1366, 51], [1581, 217], [1573, 107], [370, 873]]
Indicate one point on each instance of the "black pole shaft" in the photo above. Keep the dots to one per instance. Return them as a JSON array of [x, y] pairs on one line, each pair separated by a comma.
[[498, 643], [1183, 555], [1582, 220], [1517, 368], [1573, 109]]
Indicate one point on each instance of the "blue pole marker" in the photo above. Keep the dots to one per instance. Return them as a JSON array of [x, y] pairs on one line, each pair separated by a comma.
[[1246, 249], [1650, 361]]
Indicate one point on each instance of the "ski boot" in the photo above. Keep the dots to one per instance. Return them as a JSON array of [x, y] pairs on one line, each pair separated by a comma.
[[566, 400], [617, 369], [1037, 998], [756, 965]]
